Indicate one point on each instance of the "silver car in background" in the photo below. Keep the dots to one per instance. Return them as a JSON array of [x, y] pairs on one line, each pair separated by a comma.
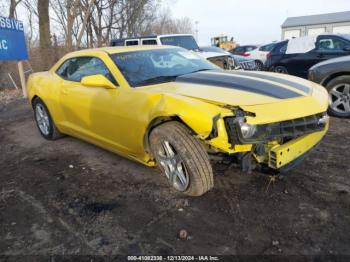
[[241, 62]]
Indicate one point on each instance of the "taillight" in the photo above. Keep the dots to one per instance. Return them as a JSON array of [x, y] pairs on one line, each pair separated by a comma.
[[246, 54], [268, 56]]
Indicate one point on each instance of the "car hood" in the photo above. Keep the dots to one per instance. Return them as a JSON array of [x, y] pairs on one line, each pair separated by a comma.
[[252, 91]]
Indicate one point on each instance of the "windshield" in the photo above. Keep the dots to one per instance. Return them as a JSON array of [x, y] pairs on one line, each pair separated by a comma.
[[158, 65], [184, 41]]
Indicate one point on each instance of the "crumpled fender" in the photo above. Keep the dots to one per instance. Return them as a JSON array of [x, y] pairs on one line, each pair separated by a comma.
[[196, 114]]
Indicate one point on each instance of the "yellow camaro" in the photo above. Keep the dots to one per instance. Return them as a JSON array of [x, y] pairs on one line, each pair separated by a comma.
[[165, 106]]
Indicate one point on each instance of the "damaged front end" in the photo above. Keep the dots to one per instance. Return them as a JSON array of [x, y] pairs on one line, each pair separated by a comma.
[[276, 147]]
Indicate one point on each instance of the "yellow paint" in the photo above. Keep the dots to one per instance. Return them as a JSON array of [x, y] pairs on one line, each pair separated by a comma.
[[118, 118], [290, 151]]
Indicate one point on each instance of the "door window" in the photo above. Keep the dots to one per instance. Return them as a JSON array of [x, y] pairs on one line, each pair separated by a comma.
[[149, 42], [239, 50], [331, 44], [267, 48], [250, 48], [75, 69], [131, 42]]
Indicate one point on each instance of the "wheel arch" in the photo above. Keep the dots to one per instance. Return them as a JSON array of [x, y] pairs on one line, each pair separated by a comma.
[[159, 121], [329, 78], [32, 100]]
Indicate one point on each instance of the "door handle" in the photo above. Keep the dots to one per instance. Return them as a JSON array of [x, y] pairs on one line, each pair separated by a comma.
[[320, 55]]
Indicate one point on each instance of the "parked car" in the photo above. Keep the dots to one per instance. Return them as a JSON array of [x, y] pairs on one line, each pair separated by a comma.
[[240, 61], [186, 41], [259, 55], [296, 56], [243, 50], [166, 106], [334, 74]]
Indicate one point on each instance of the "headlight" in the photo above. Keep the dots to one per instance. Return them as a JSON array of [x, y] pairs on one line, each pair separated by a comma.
[[247, 131]]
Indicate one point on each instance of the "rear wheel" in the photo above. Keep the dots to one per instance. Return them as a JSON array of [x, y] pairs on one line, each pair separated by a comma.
[[182, 158], [44, 121], [281, 70], [339, 96], [259, 65]]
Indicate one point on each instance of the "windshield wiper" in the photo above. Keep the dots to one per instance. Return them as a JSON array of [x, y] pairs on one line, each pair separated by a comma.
[[156, 80]]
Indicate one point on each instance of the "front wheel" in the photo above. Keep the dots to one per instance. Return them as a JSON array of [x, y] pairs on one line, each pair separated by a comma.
[[182, 158], [339, 96]]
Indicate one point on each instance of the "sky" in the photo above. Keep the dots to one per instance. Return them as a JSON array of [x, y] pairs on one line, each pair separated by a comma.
[[249, 21]]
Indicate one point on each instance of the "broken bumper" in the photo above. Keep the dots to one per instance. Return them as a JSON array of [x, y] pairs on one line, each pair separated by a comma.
[[281, 156]]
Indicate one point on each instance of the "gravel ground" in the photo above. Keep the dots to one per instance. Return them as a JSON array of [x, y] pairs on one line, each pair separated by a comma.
[[70, 197]]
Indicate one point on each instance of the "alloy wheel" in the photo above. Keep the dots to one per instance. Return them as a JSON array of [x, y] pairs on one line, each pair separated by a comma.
[[173, 166], [339, 98], [42, 118]]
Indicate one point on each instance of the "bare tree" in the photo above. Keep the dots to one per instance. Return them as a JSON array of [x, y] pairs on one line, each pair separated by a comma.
[[166, 24], [66, 14], [13, 5], [44, 32]]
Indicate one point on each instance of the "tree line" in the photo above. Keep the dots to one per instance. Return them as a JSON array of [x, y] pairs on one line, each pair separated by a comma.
[[54, 27]]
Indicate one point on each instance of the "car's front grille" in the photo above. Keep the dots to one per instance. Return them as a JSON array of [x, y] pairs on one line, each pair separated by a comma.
[[286, 130], [297, 127]]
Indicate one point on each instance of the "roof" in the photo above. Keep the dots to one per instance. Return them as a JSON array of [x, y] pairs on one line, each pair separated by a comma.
[[339, 17], [117, 49], [147, 36]]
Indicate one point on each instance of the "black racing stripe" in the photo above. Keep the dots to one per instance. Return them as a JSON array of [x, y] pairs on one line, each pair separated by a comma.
[[235, 82], [276, 79]]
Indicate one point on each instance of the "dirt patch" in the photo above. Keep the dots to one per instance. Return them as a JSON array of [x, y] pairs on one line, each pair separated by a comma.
[[70, 197]]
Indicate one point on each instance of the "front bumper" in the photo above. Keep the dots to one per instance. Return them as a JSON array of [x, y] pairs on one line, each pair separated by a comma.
[[282, 155]]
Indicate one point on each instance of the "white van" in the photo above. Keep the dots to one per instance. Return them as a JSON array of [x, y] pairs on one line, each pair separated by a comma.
[[186, 41]]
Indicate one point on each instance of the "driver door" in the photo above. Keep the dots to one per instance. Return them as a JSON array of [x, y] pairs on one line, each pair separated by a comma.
[[90, 112]]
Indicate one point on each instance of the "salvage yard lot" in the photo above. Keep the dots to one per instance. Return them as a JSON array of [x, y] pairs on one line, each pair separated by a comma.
[[70, 197]]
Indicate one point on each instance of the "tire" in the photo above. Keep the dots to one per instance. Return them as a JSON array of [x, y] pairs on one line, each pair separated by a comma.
[[259, 65], [44, 121], [280, 69], [339, 96], [189, 156]]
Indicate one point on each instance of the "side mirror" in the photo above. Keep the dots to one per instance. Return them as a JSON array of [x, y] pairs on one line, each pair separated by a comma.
[[347, 48], [97, 81]]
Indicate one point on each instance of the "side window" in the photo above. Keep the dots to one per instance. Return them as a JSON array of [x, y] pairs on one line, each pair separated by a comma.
[[283, 48], [266, 48], [131, 42], [62, 70], [118, 43], [331, 44], [149, 42], [76, 68], [239, 49]]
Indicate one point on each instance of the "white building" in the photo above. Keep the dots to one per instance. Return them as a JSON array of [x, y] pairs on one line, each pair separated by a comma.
[[316, 24]]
